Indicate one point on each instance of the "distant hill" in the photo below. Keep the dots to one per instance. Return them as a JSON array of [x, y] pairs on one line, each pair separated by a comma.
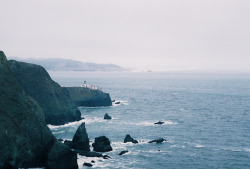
[[59, 64]]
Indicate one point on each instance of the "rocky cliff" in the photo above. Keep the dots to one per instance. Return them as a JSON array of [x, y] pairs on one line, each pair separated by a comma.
[[87, 97], [25, 139], [55, 101]]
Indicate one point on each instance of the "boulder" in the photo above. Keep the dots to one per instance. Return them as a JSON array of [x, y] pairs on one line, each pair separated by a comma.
[[102, 144], [107, 117], [159, 122], [81, 140], [158, 140], [58, 107], [123, 152], [117, 102], [128, 138], [60, 156]]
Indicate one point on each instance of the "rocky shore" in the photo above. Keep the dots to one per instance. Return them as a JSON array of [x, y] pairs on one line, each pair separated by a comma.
[[26, 141], [29, 100]]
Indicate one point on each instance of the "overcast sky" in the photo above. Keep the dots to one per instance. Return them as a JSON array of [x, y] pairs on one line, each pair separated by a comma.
[[144, 34]]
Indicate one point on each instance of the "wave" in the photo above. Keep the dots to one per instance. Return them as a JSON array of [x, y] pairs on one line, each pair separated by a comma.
[[122, 102], [199, 146], [149, 123]]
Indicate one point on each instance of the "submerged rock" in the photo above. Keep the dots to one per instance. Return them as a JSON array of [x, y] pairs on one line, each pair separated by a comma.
[[159, 140], [81, 140], [159, 122], [102, 144], [128, 138], [90, 154], [107, 117], [88, 164], [123, 152]]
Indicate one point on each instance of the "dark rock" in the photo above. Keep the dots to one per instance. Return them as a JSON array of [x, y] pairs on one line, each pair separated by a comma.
[[159, 122], [88, 164], [24, 136], [68, 143], [128, 138], [117, 102], [92, 161], [159, 140], [87, 97], [106, 157], [102, 144], [55, 101], [107, 117], [60, 156], [88, 153], [81, 140], [123, 152], [61, 140]]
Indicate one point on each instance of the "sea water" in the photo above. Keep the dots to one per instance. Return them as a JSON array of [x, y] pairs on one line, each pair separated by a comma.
[[207, 119]]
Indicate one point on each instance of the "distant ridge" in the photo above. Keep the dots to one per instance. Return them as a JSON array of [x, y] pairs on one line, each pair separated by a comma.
[[60, 64]]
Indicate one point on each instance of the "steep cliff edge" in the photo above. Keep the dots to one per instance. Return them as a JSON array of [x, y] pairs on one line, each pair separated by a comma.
[[89, 98], [55, 101], [25, 139]]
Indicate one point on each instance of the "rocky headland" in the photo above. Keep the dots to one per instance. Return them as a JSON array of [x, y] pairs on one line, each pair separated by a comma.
[[83, 96], [55, 101], [26, 141]]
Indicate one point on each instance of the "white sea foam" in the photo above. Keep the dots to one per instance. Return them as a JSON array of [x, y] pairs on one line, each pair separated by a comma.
[[150, 123], [77, 123], [199, 146], [122, 102]]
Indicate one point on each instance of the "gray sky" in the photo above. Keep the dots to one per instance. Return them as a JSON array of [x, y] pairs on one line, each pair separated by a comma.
[[144, 34]]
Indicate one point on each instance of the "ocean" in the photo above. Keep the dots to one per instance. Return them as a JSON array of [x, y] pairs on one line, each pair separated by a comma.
[[207, 119]]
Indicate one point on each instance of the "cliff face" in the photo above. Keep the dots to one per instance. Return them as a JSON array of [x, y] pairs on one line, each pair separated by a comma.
[[88, 97], [25, 139], [55, 101]]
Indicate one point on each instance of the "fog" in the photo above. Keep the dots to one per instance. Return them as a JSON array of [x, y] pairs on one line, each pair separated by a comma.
[[207, 35]]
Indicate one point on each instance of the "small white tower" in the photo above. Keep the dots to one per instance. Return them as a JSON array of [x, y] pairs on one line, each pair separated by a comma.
[[84, 84]]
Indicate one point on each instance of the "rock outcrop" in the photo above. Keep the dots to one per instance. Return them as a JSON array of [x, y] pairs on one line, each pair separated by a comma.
[[80, 140], [102, 144], [55, 101], [107, 117], [24, 136], [60, 152], [159, 122], [158, 140], [128, 138], [123, 152], [83, 96]]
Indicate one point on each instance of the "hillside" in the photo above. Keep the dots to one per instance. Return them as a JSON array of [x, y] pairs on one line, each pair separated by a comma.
[[59, 64]]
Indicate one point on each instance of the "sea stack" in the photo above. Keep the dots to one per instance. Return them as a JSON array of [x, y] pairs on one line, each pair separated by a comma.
[[81, 140]]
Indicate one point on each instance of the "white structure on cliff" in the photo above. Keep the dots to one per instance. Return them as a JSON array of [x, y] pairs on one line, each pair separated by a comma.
[[93, 87]]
